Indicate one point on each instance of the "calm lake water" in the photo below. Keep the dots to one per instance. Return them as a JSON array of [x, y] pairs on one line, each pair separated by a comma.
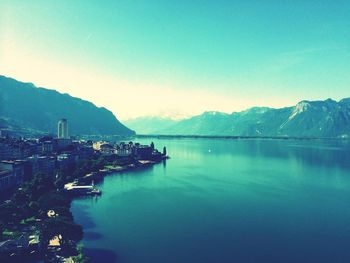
[[225, 201]]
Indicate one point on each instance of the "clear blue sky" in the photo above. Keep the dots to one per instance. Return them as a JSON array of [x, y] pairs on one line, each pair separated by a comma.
[[179, 57]]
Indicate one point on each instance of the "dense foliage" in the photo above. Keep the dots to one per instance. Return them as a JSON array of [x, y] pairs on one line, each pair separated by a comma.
[[33, 201]]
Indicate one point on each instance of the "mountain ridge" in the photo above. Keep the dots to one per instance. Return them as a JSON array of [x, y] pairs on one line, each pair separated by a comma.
[[25, 105], [327, 118]]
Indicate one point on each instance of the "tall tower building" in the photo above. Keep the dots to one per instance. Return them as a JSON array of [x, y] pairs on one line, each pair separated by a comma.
[[63, 129]]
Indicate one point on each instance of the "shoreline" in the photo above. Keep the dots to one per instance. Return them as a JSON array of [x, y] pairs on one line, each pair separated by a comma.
[[230, 137], [109, 170], [112, 171], [37, 221], [58, 251]]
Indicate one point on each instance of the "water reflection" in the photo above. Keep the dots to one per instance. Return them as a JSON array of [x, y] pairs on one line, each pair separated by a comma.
[[311, 152], [243, 201]]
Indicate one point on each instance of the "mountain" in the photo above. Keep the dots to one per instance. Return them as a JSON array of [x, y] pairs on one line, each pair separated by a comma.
[[149, 124], [327, 118], [208, 123], [39, 109]]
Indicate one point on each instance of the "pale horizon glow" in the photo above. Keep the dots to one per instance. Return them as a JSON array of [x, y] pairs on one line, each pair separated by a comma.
[[138, 60]]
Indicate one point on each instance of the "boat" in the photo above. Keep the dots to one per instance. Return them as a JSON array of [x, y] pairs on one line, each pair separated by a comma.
[[95, 191]]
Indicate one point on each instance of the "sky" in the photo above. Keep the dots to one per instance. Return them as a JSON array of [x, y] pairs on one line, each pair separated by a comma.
[[179, 58]]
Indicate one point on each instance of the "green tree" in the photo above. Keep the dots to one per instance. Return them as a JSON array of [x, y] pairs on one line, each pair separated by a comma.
[[40, 185], [2, 228], [33, 208], [64, 211], [65, 229], [81, 258], [51, 200], [9, 214]]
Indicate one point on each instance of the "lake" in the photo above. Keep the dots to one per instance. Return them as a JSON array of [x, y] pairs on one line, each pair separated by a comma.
[[220, 200]]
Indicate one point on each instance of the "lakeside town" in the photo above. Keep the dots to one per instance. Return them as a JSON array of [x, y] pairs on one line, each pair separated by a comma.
[[38, 179]]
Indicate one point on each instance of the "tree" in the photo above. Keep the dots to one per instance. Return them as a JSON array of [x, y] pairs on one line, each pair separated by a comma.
[[62, 227], [152, 146], [81, 258], [40, 185], [8, 214], [64, 211], [33, 208], [2, 228], [60, 181], [52, 200], [164, 151]]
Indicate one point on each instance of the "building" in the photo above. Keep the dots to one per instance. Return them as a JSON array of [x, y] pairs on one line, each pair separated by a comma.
[[123, 149], [107, 148], [143, 152], [11, 174], [42, 164], [4, 151], [61, 144], [62, 129], [12, 149], [47, 147], [66, 160], [97, 145], [7, 180], [123, 152], [85, 152]]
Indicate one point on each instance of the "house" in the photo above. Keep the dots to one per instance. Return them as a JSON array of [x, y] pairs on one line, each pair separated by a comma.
[[143, 152], [107, 148], [97, 145]]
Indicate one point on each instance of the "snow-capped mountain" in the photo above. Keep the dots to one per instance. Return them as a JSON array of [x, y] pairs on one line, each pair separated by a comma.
[[327, 118]]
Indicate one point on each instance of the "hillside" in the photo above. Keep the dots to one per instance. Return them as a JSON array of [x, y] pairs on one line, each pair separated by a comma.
[[25, 105]]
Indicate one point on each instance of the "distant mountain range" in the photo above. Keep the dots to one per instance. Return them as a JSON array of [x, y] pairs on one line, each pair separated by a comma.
[[39, 109], [150, 124], [327, 118]]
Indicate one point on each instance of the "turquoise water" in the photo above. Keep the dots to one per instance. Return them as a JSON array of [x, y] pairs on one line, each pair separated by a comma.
[[226, 201]]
